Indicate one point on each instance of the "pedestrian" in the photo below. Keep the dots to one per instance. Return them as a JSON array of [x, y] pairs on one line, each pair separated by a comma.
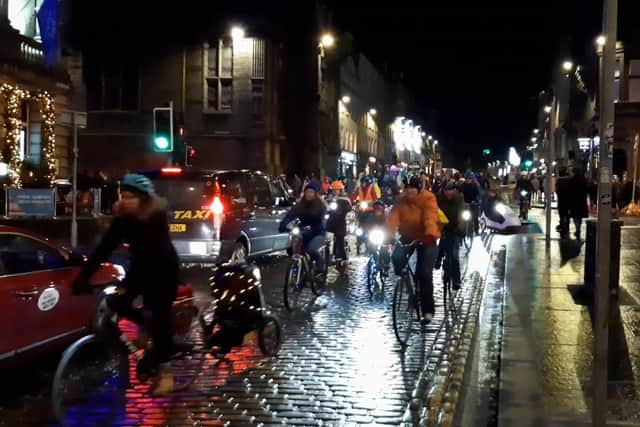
[[578, 208], [563, 194], [535, 183]]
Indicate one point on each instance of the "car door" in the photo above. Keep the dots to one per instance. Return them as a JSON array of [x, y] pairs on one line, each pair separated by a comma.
[[281, 204], [36, 290], [266, 225]]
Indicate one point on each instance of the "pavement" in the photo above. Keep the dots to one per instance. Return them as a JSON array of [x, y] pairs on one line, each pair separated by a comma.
[[546, 359], [339, 364]]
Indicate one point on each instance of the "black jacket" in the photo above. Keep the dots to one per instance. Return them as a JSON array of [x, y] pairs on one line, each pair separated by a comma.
[[154, 266], [311, 214], [452, 208]]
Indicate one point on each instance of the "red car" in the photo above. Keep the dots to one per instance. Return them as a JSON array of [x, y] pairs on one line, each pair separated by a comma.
[[38, 311]]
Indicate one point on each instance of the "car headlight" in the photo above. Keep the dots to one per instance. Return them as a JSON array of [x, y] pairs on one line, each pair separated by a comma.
[[256, 273], [333, 206], [501, 208], [523, 193], [359, 232], [295, 231], [466, 215], [364, 205], [376, 237]]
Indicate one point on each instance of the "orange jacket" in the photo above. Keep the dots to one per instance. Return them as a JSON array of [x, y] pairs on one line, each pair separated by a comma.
[[364, 196], [416, 217]]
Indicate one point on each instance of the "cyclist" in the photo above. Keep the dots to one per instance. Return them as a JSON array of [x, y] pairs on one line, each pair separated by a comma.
[[364, 198], [415, 216], [451, 203], [310, 211], [471, 191], [337, 223], [140, 219]]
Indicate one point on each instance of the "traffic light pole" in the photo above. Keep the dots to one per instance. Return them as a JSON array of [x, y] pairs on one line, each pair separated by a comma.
[[603, 239]]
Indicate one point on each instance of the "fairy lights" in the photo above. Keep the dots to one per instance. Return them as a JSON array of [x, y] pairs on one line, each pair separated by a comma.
[[15, 97]]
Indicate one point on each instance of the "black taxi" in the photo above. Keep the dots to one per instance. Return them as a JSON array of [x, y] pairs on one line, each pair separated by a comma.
[[216, 216]]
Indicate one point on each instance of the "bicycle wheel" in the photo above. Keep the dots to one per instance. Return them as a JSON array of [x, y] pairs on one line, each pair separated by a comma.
[[468, 235], [402, 312], [90, 383], [319, 282], [293, 286], [269, 336]]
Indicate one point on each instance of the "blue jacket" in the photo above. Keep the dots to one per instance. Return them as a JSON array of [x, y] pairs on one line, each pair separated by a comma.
[[310, 214]]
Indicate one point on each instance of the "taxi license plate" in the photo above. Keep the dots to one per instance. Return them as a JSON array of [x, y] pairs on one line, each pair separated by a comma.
[[177, 228]]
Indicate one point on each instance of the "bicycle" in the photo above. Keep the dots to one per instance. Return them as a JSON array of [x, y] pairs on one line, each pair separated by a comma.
[[405, 299], [300, 273], [447, 281], [469, 232], [96, 368], [376, 268]]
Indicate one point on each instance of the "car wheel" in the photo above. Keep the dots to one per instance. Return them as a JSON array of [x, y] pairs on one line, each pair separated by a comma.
[[240, 252]]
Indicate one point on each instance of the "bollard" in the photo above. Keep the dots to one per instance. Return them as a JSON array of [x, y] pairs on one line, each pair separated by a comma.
[[590, 256]]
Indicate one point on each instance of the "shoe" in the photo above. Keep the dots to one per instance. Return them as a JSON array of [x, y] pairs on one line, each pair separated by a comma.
[[164, 383], [427, 318]]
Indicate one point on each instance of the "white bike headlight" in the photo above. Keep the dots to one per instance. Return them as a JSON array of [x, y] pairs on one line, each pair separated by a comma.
[[364, 205], [256, 273], [523, 193], [359, 232], [501, 208], [466, 215], [376, 237], [295, 231], [333, 206], [326, 216]]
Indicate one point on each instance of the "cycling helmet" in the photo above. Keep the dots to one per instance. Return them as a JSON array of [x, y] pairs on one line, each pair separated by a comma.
[[469, 175], [365, 180], [415, 182], [136, 183]]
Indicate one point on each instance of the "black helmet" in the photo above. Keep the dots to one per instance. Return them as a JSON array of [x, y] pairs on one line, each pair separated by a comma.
[[365, 180], [415, 182]]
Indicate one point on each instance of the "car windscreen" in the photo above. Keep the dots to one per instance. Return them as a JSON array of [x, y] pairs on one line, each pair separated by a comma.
[[184, 194]]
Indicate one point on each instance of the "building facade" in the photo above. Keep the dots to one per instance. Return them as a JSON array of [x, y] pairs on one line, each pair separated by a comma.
[[34, 90]]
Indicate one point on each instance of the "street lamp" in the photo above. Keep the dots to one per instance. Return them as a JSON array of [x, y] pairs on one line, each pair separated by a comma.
[[373, 111], [534, 139], [536, 131], [601, 40], [567, 66], [327, 40], [237, 33], [346, 99]]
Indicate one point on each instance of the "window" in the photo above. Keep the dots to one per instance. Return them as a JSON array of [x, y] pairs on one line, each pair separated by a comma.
[[29, 137], [113, 86], [233, 188], [634, 80], [20, 254], [259, 191], [257, 97], [218, 78]]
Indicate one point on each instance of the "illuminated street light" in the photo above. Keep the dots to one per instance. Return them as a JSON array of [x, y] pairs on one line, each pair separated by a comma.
[[601, 40], [435, 142], [567, 66], [536, 131], [547, 109], [346, 99], [429, 137], [373, 111], [237, 33], [534, 139], [327, 40]]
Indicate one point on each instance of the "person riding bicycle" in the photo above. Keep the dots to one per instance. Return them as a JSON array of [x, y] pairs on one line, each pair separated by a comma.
[[451, 203], [363, 200], [140, 219], [310, 211], [471, 191], [339, 207], [415, 216]]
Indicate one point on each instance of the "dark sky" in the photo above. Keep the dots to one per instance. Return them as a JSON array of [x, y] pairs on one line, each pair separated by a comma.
[[478, 66]]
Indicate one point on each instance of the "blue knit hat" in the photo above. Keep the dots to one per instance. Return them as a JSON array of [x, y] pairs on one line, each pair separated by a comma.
[[312, 186]]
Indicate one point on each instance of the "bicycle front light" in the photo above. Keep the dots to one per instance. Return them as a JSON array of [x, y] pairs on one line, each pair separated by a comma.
[[295, 231], [501, 208], [466, 215], [333, 206], [523, 193], [359, 232], [364, 205], [376, 237]]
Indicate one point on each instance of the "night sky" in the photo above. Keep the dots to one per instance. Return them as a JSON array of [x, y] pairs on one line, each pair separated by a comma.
[[478, 68]]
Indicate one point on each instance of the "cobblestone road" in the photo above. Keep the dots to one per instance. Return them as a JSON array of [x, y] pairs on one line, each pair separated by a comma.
[[339, 364]]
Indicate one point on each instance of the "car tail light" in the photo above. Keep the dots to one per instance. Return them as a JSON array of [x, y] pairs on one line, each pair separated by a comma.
[[216, 207], [171, 171]]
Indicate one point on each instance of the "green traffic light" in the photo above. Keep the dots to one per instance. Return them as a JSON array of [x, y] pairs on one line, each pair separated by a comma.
[[486, 151], [161, 142], [528, 163]]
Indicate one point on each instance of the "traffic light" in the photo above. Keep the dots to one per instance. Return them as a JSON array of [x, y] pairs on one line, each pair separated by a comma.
[[163, 129], [486, 152], [528, 163], [189, 155]]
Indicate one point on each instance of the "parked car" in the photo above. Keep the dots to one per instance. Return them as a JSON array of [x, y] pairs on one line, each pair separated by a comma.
[[38, 311], [216, 216]]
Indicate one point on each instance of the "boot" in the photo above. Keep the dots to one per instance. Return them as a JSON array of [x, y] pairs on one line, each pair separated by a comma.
[[164, 383]]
